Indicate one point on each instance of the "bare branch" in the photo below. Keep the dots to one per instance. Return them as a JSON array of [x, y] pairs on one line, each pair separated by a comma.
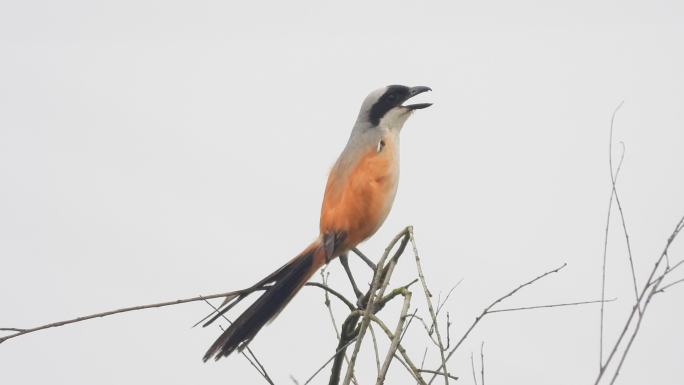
[[634, 333], [337, 352], [662, 289], [488, 308], [617, 197], [422, 363], [344, 261], [333, 292], [428, 299], [415, 372], [348, 333], [408, 324], [472, 367], [652, 284], [327, 304], [427, 329], [448, 331], [440, 305], [21, 332], [394, 345], [650, 288], [375, 348], [364, 258], [254, 361], [395, 292], [613, 178], [676, 265], [369, 308], [482, 363], [551, 305], [437, 373], [372, 302]]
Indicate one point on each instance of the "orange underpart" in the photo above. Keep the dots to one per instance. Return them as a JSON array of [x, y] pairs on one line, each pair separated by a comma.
[[359, 204]]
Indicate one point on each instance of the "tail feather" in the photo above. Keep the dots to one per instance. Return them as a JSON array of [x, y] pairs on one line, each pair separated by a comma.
[[286, 283]]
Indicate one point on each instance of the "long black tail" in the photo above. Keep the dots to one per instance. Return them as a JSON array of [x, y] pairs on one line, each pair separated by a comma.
[[286, 282]]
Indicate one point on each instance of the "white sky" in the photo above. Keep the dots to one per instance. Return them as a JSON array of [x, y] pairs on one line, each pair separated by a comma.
[[158, 150]]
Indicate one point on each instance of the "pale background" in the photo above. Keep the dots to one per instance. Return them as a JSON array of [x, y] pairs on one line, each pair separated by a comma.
[[157, 150]]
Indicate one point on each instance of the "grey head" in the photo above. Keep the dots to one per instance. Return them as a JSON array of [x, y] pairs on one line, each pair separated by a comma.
[[383, 111], [384, 106]]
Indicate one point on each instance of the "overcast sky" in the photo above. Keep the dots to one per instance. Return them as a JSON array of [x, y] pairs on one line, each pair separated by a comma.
[[155, 150]]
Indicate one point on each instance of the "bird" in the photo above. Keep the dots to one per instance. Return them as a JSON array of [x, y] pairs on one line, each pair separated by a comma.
[[358, 196]]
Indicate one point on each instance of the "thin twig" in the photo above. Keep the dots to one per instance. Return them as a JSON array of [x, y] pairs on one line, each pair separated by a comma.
[[394, 344], [605, 237], [634, 332], [364, 258], [551, 305], [112, 312], [415, 372], [428, 299], [427, 329], [326, 302], [472, 367], [340, 349], [437, 373], [422, 362], [448, 331], [324, 274], [488, 308], [651, 283], [676, 265], [617, 199], [404, 364], [482, 363], [339, 296], [662, 289], [395, 292], [408, 324], [375, 348], [441, 305], [259, 364], [254, 361]]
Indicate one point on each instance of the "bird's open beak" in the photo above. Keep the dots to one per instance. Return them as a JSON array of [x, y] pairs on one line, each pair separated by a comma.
[[413, 91]]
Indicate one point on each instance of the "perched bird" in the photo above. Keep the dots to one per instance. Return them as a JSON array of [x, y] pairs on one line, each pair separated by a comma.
[[358, 196]]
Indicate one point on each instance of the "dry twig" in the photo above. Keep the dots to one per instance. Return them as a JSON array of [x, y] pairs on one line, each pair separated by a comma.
[[488, 308], [651, 287], [20, 332], [482, 363], [428, 299], [254, 361], [378, 285]]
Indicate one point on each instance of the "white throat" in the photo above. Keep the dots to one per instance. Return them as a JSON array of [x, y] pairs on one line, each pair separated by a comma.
[[395, 118]]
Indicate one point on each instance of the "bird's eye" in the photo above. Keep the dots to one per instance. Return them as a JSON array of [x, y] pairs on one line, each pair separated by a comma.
[[392, 96]]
